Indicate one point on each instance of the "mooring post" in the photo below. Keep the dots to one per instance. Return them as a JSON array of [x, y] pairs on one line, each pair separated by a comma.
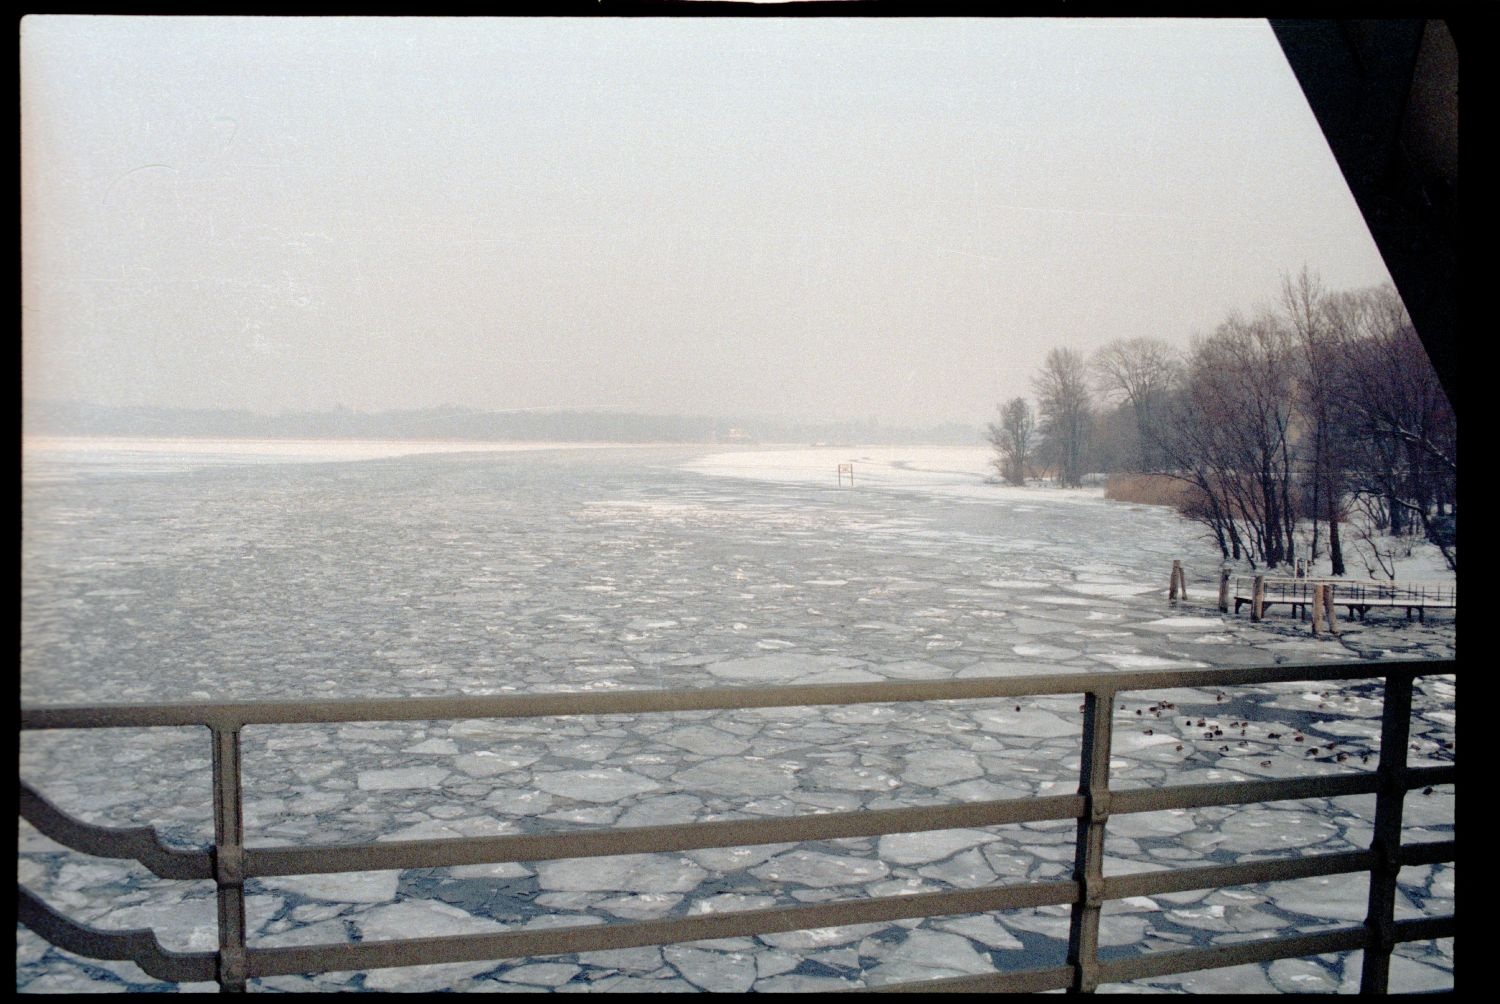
[[1172, 587], [1317, 607], [1333, 625], [1258, 598], [1224, 589]]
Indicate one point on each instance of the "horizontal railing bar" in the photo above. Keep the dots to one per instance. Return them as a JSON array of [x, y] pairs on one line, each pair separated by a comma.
[[440, 853], [519, 944], [1426, 928], [1413, 589], [405, 709], [138, 843], [1420, 777], [1304, 587], [138, 946], [1190, 796], [1021, 981], [603, 937], [1357, 601], [1220, 956], [1165, 880], [264, 862], [1429, 853], [1354, 583]]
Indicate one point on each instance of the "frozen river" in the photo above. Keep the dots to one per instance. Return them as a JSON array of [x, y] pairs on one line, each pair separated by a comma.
[[170, 576]]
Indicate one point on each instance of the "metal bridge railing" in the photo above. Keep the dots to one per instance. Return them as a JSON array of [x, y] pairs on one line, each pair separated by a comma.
[[229, 862]]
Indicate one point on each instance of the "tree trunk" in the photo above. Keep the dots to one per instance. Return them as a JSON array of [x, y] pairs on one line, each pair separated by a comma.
[[1335, 550], [1317, 524]]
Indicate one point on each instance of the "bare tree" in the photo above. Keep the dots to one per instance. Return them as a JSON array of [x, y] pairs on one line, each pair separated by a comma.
[[1140, 371], [1321, 367], [1012, 440], [1366, 547], [1190, 444], [1326, 403], [1063, 396], [1402, 431], [1230, 438]]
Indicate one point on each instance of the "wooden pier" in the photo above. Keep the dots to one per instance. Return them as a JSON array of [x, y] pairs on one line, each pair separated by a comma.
[[1359, 598]]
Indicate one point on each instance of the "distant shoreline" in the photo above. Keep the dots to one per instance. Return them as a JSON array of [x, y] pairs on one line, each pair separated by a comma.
[[76, 419], [261, 449]]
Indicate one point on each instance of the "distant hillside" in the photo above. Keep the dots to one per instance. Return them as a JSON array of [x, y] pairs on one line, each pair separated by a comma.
[[76, 419]]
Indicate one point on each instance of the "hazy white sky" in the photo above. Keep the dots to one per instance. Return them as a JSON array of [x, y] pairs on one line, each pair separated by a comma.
[[802, 217]]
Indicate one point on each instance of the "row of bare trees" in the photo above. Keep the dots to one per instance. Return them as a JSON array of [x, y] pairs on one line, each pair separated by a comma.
[[1281, 422], [1061, 439]]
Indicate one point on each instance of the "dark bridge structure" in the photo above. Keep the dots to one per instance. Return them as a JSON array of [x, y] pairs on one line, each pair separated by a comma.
[[1385, 93]]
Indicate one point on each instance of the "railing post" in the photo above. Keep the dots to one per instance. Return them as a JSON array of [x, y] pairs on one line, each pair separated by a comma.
[[1258, 598], [1088, 855], [229, 858], [1380, 921]]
